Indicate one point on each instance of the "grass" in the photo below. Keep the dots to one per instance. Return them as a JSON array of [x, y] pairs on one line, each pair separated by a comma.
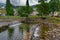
[[55, 20], [9, 17]]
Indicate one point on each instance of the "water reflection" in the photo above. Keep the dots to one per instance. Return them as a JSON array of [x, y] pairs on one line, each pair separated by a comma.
[[3, 28], [29, 31], [22, 32], [10, 33], [26, 31]]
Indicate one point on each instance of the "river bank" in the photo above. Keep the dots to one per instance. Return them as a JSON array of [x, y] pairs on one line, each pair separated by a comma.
[[8, 23], [8, 20]]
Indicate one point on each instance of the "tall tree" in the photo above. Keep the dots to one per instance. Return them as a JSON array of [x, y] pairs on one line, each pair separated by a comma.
[[43, 8], [54, 6], [27, 7], [24, 11], [9, 8]]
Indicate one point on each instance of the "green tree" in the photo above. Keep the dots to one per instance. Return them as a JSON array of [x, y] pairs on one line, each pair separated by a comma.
[[54, 5], [21, 11], [28, 8], [9, 8], [43, 8], [24, 11]]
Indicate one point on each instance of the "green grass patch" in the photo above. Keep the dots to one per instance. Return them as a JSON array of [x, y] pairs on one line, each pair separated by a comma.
[[9, 16], [54, 20]]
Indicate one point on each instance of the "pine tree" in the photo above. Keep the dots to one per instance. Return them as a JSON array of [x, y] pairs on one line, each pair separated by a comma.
[[27, 7], [9, 8]]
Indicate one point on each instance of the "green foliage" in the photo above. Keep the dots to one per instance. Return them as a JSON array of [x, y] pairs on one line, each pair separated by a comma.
[[23, 11], [27, 6], [54, 5], [9, 8], [10, 32], [43, 8], [46, 8]]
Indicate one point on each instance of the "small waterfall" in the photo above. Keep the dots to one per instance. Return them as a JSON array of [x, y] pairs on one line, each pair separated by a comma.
[[36, 32]]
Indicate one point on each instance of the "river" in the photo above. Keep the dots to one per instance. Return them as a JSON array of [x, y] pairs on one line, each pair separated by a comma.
[[26, 31], [19, 31]]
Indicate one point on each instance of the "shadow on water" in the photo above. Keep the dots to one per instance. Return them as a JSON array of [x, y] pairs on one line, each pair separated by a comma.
[[10, 32], [21, 29], [3, 28], [21, 32], [25, 29]]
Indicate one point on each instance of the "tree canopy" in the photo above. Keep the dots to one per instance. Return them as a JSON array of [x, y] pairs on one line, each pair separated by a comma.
[[46, 8], [54, 5], [24, 11], [9, 8], [43, 8]]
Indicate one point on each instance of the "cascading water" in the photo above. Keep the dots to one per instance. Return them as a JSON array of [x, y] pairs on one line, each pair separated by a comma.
[[35, 32]]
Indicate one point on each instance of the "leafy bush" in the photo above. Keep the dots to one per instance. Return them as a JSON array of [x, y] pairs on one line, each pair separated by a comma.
[[23, 12]]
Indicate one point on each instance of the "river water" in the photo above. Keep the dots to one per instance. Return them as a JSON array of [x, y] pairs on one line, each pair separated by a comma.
[[19, 32]]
